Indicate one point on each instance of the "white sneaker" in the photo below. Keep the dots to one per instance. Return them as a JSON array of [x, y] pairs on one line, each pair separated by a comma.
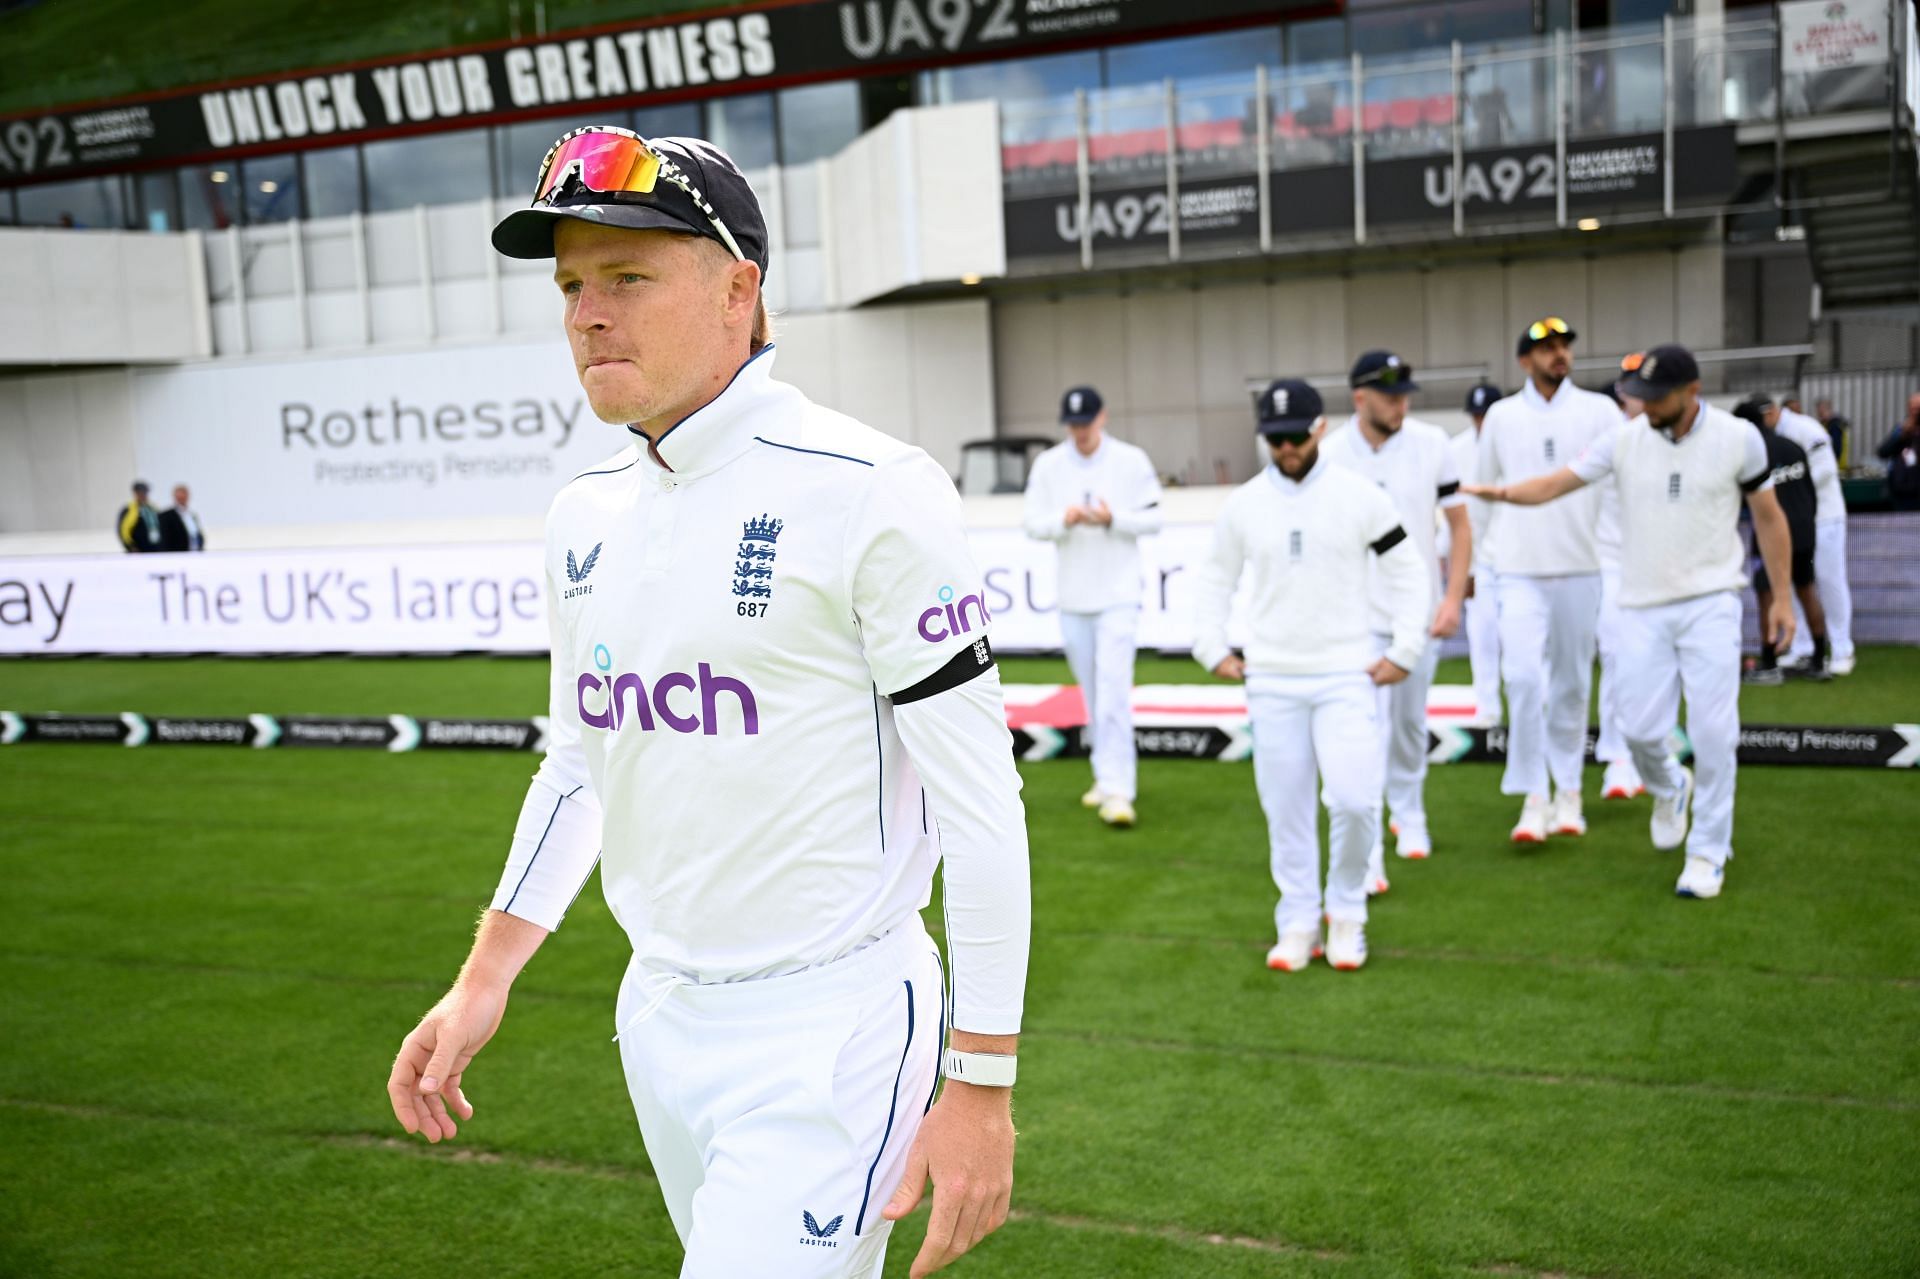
[[1295, 949], [1413, 842], [1567, 819], [1346, 944], [1377, 871], [1115, 811], [1532, 826], [1671, 816], [1841, 665], [1093, 798], [1792, 662], [1701, 879], [1622, 781]]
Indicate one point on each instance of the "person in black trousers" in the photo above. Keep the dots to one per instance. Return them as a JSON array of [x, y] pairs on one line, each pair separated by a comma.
[[1793, 485]]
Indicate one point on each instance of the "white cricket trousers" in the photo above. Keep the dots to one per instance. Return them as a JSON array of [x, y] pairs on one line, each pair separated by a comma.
[[1100, 648], [1547, 627], [1403, 733], [778, 1112], [1612, 746], [1693, 648], [1317, 735], [1483, 647], [1836, 593]]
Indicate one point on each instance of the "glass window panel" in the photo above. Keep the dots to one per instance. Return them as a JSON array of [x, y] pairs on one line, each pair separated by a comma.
[[1492, 22], [1402, 33], [159, 196], [1019, 80], [443, 168], [743, 128], [1312, 119], [208, 196], [817, 120], [84, 202], [676, 120], [1311, 44], [518, 149], [332, 180], [270, 189], [1196, 57]]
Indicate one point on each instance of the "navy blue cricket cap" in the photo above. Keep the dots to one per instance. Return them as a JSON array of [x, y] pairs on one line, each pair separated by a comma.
[[1662, 370], [1080, 406], [1482, 397], [1288, 407], [698, 185], [1383, 371]]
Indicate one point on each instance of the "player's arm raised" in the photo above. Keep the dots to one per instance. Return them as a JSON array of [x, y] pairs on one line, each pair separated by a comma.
[[555, 845], [909, 539]]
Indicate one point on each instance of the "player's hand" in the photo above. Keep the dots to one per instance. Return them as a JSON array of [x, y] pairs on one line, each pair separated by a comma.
[[1385, 672], [425, 1081], [1232, 667], [1780, 622], [966, 1145], [1101, 514], [1446, 619]]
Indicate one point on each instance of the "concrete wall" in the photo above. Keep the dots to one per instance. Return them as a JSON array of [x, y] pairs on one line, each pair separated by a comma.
[[101, 297], [66, 451], [1174, 363]]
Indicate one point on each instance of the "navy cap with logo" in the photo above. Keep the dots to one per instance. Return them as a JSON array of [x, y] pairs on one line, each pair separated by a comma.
[[1482, 397], [1080, 406], [1663, 369], [1383, 371], [616, 178], [1287, 407]]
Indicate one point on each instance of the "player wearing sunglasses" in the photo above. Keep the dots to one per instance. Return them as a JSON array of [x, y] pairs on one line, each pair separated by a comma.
[[1549, 580], [767, 749]]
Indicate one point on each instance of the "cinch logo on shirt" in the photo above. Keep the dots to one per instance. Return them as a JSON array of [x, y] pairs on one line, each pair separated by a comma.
[[947, 619], [625, 697]]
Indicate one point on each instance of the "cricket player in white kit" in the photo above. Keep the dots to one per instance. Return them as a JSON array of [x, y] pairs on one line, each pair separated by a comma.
[[765, 741], [1681, 469], [1829, 543], [1411, 461], [1482, 608], [1304, 533], [1095, 497], [1549, 580], [1619, 780]]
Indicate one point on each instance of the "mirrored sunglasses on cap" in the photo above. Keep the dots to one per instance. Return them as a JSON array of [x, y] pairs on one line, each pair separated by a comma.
[[1539, 329], [606, 160]]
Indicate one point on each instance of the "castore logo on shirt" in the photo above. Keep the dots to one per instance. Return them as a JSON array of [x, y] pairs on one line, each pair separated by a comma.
[[947, 618], [624, 698]]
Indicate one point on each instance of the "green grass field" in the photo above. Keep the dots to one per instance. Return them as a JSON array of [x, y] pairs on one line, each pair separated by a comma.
[[1551, 1066]]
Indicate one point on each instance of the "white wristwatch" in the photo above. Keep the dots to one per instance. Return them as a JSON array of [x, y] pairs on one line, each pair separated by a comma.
[[989, 1070]]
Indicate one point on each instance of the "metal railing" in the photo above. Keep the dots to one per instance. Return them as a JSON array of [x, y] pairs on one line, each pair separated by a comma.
[[1535, 134]]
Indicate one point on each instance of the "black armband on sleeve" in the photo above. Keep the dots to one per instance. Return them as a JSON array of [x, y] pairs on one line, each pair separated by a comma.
[[1753, 485], [1390, 539], [1449, 488], [966, 664]]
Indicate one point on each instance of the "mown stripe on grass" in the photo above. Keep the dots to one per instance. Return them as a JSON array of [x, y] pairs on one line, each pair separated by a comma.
[[1503, 1074], [454, 1154]]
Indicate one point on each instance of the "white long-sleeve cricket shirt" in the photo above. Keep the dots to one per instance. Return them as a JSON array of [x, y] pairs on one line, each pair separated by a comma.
[[1099, 564]]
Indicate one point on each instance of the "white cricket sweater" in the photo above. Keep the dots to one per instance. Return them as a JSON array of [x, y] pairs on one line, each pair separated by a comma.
[[1306, 549], [1415, 467], [1525, 435], [1680, 503], [1099, 564]]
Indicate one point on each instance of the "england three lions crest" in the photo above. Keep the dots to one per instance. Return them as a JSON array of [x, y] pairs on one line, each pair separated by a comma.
[[753, 564]]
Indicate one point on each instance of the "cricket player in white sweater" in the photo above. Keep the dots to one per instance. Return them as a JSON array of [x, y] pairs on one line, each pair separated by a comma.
[[1413, 464], [766, 745], [1549, 580], [1304, 534], [1095, 497], [1482, 609], [1619, 779], [1681, 470], [1829, 544]]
